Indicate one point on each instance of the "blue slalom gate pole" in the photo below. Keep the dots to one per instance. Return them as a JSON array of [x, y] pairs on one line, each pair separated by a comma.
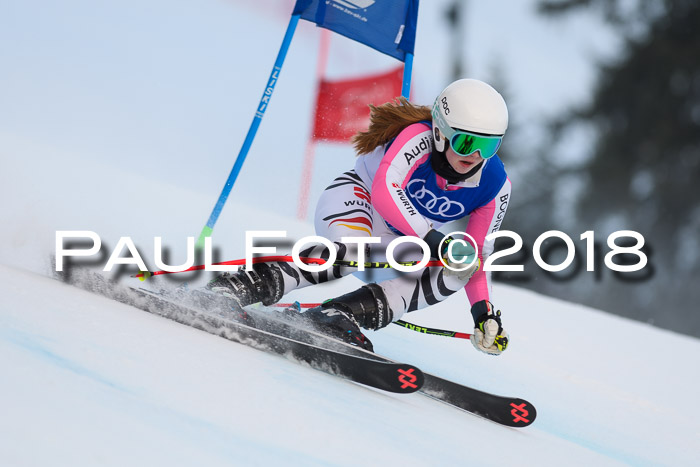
[[264, 102], [407, 70]]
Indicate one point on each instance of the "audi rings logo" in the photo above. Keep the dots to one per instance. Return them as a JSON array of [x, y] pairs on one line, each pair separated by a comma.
[[437, 205]]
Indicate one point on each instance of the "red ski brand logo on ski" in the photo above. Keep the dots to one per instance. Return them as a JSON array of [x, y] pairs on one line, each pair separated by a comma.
[[407, 379], [519, 413]]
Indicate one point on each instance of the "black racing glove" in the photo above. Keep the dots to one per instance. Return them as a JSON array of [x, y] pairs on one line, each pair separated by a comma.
[[433, 239]]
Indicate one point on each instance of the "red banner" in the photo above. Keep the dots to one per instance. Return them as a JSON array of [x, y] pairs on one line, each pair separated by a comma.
[[342, 107]]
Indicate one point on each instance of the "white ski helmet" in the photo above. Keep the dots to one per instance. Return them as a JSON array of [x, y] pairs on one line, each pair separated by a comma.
[[469, 105]]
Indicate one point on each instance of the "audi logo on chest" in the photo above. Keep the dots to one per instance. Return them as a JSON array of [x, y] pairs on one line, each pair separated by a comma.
[[436, 205]]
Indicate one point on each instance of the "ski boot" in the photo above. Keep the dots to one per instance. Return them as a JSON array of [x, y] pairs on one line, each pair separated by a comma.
[[263, 284], [343, 316]]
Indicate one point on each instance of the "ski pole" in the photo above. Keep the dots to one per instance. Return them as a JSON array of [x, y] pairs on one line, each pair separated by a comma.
[[435, 332], [143, 275], [405, 324]]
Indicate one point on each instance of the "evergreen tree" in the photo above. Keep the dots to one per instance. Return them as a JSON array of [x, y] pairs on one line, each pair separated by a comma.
[[644, 173]]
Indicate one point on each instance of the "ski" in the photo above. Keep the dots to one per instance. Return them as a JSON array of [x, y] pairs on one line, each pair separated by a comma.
[[386, 375], [509, 411], [190, 310]]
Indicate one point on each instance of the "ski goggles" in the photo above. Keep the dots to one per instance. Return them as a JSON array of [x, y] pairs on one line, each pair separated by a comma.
[[465, 143]]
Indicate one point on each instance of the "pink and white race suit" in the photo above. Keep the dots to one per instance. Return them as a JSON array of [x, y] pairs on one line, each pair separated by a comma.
[[394, 191]]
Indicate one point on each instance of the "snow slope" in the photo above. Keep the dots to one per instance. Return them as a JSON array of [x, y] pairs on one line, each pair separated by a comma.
[[115, 121], [86, 381]]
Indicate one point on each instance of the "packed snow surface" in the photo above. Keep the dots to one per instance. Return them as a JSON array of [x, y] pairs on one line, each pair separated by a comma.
[[114, 121], [87, 381]]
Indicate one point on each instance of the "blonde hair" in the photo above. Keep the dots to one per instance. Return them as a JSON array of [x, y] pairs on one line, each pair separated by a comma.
[[386, 122]]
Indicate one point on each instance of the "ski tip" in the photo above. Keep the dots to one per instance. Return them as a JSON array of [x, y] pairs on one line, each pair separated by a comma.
[[408, 379], [522, 413]]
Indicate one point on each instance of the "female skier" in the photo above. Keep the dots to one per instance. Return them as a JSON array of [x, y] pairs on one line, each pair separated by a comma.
[[417, 170]]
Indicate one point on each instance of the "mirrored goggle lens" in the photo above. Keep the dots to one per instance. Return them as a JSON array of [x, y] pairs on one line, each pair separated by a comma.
[[466, 143]]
